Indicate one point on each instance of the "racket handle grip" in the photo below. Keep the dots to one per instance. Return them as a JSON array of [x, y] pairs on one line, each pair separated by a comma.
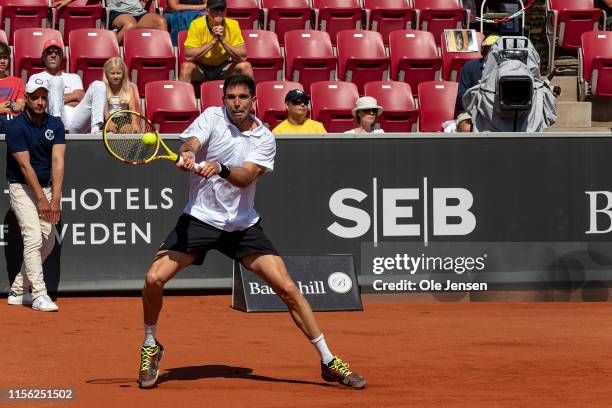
[[197, 166]]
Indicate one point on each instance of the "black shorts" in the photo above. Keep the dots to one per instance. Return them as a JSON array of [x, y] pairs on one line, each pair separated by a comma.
[[193, 236], [214, 73], [114, 14]]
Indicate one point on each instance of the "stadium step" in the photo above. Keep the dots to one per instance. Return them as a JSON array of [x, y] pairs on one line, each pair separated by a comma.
[[573, 115], [569, 88]]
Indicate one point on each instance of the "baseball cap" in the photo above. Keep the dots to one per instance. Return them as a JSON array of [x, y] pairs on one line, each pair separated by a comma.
[[36, 83], [490, 40], [212, 4], [463, 116], [296, 95], [53, 43]]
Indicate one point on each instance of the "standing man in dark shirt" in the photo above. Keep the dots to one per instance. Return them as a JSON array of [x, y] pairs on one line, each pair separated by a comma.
[[35, 171], [471, 73]]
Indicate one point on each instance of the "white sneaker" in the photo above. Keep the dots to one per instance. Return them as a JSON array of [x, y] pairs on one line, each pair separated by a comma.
[[25, 299], [44, 304]]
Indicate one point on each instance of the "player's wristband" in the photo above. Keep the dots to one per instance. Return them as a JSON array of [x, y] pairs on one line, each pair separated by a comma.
[[224, 172]]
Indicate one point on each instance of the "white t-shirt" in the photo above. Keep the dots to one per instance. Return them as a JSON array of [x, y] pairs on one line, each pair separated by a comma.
[[71, 81], [216, 201], [374, 131]]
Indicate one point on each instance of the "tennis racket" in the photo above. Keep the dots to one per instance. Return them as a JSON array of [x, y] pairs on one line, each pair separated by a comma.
[[133, 139]]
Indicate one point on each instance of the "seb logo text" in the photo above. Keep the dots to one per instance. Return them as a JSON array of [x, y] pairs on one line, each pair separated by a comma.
[[600, 212], [450, 212]]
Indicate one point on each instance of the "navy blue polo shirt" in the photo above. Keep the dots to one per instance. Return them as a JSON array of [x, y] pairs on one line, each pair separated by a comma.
[[23, 135]]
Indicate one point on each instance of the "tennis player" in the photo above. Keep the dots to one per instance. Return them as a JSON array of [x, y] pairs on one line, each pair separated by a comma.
[[237, 149]]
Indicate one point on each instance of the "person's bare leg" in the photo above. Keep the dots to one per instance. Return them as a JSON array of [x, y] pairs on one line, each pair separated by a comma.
[[165, 265], [241, 68], [155, 21], [124, 22], [272, 269]]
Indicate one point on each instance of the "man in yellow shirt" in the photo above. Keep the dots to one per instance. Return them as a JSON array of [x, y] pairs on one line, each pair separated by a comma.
[[214, 47], [297, 120]]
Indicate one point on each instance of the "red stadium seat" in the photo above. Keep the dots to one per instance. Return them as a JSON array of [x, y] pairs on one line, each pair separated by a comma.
[[281, 16], [400, 112], [309, 57], [333, 16], [211, 94], [414, 58], [171, 105], [89, 50], [386, 16], [436, 104], [566, 20], [18, 14], [332, 102], [271, 107], [595, 67], [452, 62], [162, 6], [246, 12], [182, 36], [264, 54], [361, 57], [3, 37], [437, 15], [78, 14], [149, 56], [28, 50]]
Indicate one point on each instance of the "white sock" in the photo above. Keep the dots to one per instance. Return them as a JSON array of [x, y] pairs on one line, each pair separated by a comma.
[[149, 339], [321, 346]]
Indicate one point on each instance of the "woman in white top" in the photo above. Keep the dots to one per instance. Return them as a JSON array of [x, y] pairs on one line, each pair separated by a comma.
[[365, 112], [121, 94]]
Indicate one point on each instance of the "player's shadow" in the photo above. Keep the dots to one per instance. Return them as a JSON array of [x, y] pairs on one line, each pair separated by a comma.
[[191, 373]]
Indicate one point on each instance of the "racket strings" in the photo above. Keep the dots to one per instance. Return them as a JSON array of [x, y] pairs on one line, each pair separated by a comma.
[[124, 137]]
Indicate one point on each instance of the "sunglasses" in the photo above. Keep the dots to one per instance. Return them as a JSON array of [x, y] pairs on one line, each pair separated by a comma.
[[371, 111], [300, 102], [53, 51]]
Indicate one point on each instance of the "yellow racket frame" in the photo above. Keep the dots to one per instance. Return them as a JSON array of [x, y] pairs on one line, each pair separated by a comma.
[[170, 155]]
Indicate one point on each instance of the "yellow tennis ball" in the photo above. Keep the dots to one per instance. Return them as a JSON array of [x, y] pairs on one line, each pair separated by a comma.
[[149, 139]]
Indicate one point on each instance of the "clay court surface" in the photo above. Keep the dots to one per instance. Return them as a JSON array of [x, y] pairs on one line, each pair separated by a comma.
[[413, 354]]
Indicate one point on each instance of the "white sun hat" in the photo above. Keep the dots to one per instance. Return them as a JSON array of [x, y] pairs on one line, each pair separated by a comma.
[[366, 102]]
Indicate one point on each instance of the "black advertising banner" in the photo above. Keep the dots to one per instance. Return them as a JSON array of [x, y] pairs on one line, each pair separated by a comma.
[[328, 282], [540, 208]]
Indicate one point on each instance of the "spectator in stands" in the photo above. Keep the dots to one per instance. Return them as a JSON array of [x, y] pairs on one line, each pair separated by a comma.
[[297, 120], [214, 47], [81, 112], [471, 73], [463, 123], [11, 90], [129, 14], [35, 146], [120, 93], [180, 15], [606, 5], [365, 112]]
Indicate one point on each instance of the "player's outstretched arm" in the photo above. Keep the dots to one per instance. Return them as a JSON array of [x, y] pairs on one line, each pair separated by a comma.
[[239, 176]]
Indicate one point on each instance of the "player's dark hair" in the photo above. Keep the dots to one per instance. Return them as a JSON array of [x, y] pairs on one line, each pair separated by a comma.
[[239, 79], [5, 49]]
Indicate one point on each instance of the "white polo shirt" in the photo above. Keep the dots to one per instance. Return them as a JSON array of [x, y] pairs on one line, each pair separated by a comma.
[[216, 201]]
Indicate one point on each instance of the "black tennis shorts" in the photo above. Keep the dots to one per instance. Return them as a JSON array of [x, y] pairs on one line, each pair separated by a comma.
[[196, 237]]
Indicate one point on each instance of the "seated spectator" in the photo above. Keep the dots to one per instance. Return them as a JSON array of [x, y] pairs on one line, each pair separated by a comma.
[[129, 14], [214, 47], [120, 92], [606, 5], [471, 73], [462, 124], [12, 88], [365, 112], [181, 13], [297, 120], [81, 112]]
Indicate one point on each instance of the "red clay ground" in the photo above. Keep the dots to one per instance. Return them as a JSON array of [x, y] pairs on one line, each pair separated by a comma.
[[413, 354]]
